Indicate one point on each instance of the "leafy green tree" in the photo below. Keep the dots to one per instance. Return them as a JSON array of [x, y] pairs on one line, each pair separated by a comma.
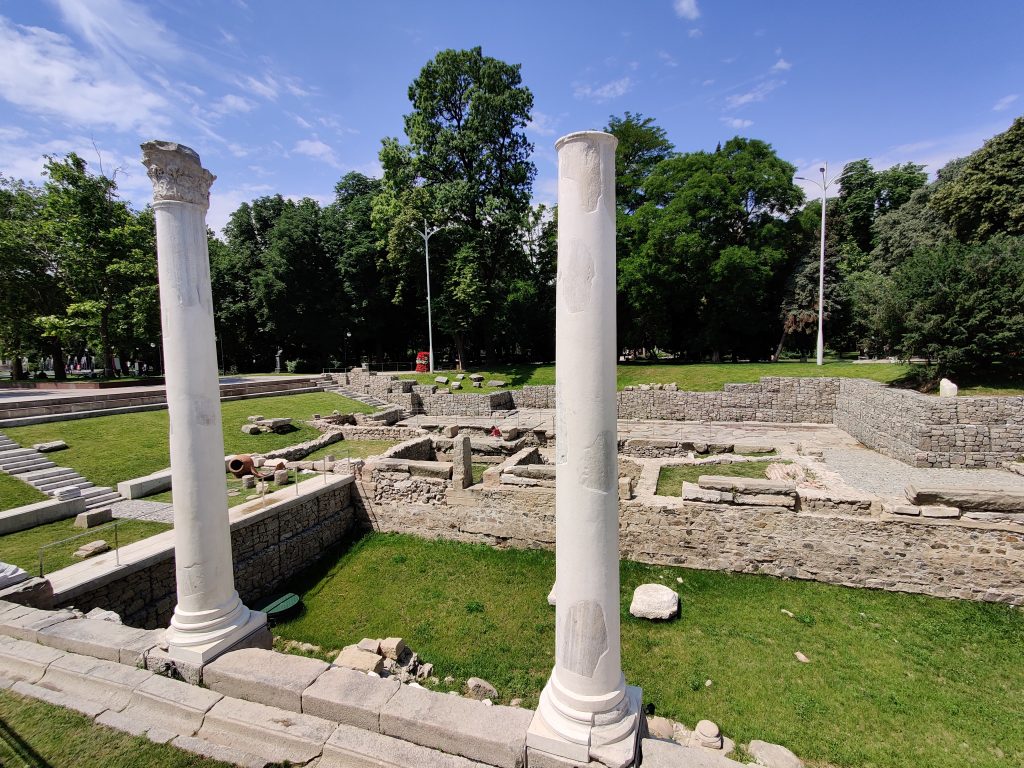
[[467, 167], [987, 195], [642, 145]]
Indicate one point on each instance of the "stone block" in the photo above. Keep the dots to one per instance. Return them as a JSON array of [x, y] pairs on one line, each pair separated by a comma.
[[53, 445], [907, 510], [351, 747], [666, 754], [250, 429], [105, 682], [91, 549], [92, 637], [939, 511], [748, 485], [362, 661], [268, 732], [765, 500], [86, 707], [654, 601], [36, 592], [452, 724], [752, 448], [392, 647], [26, 625], [476, 377], [23, 660], [171, 704], [219, 752], [497, 383], [94, 517], [441, 380], [968, 499], [350, 697], [267, 677], [773, 755]]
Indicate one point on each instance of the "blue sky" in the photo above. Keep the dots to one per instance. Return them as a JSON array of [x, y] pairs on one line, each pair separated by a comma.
[[287, 96]]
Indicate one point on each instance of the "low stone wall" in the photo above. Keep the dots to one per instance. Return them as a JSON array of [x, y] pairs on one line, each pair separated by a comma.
[[838, 542], [927, 431], [269, 546], [40, 513]]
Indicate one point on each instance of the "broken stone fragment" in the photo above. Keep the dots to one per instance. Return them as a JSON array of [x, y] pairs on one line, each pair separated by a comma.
[[91, 549], [654, 601], [476, 377], [480, 689], [359, 660], [707, 734], [441, 380], [369, 644], [53, 445], [392, 647], [496, 383], [773, 755]]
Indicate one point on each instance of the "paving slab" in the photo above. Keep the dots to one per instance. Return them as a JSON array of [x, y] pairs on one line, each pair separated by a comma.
[[22, 660], [171, 704], [458, 726], [26, 626], [349, 697], [268, 732], [105, 682], [86, 707], [266, 677], [92, 637], [352, 747], [219, 752], [666, 754]]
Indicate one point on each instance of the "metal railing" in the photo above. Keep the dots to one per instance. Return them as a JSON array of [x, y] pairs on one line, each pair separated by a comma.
[[90, 532]]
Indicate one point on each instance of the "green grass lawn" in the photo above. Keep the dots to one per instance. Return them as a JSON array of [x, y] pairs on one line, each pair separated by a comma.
[[671, 478], [478, 472], [34, 734], [17, 493], [894, 680], [22, 548], [108, 449], [353, 449]]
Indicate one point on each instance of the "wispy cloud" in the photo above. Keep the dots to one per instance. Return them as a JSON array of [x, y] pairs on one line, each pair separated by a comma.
[[737, 123], [758, 93], [686, 9], [119, 28], [233, 103], [695, 33], [667, 59], [1005, 102], [601, 93], [318, 150], [266, 88], [781, 65], [45, 74], [542, 124]]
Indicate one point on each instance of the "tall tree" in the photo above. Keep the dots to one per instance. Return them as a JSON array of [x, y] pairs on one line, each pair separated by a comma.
[[466, 166], [642, 145]]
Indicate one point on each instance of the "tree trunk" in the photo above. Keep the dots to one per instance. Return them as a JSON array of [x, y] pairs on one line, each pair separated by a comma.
[[59, 370], [459, 351], [778, 349], [17, 371], [108, 361]]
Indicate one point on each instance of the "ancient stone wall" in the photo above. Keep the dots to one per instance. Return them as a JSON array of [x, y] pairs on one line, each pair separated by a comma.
[[829, 542], [269, 546], [927, 431]]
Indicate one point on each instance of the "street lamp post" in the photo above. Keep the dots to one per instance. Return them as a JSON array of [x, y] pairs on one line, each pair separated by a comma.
[[426, 234], [823, 185]]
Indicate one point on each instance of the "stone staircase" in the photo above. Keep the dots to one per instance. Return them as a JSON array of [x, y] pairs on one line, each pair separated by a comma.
[[37, 470], [331, 384]]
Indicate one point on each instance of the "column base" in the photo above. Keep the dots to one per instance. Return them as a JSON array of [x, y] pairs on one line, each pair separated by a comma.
[[184, 647], [590, 738]]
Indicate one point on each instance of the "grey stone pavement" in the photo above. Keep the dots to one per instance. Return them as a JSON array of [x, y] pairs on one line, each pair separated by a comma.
[[855, 465], [140, 509]]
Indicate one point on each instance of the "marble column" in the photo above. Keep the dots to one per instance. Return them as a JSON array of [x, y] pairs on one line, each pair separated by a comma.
[[586, 712], [209, 617]]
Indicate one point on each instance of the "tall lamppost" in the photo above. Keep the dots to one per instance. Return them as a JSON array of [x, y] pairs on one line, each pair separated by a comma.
[[823, 185], [426, 234]]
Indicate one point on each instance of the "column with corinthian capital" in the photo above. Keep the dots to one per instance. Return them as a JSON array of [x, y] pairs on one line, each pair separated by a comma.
[[209, 617]]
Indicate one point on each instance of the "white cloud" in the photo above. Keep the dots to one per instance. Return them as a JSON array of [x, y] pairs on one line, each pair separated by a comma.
[[1005, 102], [757, 93], [302, 122], [267, 88], [317, 150], [706, 83], [232, 103], [44, 74], [610, 90], [695, 33], [117, 28], [686, 9], [781, 65], [667, 59], [542, 124], [224, 202], [737, 123]]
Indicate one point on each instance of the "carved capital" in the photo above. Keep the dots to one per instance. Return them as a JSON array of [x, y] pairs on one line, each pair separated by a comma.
[[177, 173]]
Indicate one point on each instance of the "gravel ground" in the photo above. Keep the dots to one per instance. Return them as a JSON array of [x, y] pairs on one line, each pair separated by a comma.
[[138, 509], [863, 468]]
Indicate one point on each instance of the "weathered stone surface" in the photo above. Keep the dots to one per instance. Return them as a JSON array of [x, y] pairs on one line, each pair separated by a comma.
[[36, 592], [104, 682], [369, 644], [267, 677], [93, 517], [940, 511], [750, 485], [440, 379], [26, 624], [478, 688], [86, 707], [968, 499], [707, 734], [93, 637], [350, 697], [250, 429], [11, 575], [53, 445], [363, 661], [497, 383], [392, 647], [654, 601], [23, 660], [281, 476], [660, 727], [773, 755], [91, 549], [268, 732], [494, 735], [752, 448], [351, 747], [476, 377], [171, 704], [219, 752], [665, 754], [947, 388]]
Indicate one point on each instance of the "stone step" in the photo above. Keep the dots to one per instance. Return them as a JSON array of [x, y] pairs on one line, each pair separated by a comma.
[[28, 466], [42, 474], [17, 454], [42, 483], [102, 500], [9, 451], [79, 482]]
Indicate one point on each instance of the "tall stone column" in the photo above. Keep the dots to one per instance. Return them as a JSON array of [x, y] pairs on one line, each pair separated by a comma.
[[209, 617], [586, 709]]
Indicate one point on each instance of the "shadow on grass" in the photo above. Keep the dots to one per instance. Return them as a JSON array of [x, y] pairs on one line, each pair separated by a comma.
[[21, 748]]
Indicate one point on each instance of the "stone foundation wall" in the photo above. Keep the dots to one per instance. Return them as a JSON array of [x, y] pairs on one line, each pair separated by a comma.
[[269, 546], [837, 543], [926, 431]]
